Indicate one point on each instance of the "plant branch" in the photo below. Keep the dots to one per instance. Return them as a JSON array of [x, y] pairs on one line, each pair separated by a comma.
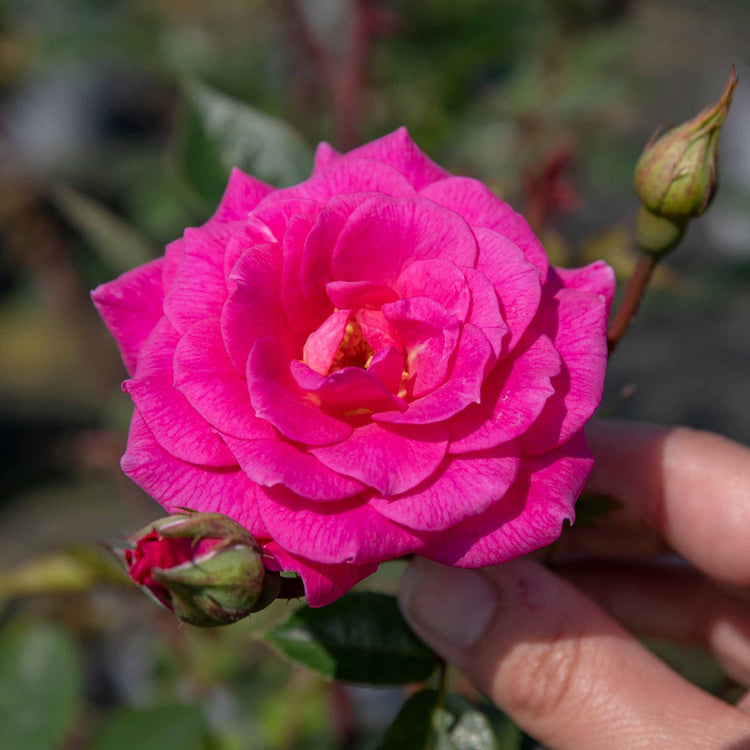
[[631, 302]]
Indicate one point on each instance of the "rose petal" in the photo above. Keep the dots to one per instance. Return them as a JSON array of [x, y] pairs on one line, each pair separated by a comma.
[[322, 344], [356, 294], [577, 323], [243, 192], [272, 462], [384, 235], [516, 282], [178, 485], [343, 532], [430, 334], [400, 151], [278, 399], [462, 388], [530, 515], [388, 367], [323, 583], [205, 376], [325, 156], [175, 424], [597, 278], [297, 311], [392, 460], [485, 310], [199, 288], [513, 396], [482, 208], [253, 309], [438, 279], [460, 488], [131, 306], [377, 331], [276, 213]]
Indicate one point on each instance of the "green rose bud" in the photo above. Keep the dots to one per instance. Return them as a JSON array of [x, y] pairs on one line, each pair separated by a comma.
[[204, 567]]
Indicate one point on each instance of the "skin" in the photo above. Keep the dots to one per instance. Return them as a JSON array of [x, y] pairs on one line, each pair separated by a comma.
[[556, 649]]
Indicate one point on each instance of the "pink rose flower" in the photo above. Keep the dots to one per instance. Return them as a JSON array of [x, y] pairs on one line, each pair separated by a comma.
[[375, 362]]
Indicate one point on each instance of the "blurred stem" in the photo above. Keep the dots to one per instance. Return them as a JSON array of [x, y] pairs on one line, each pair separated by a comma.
[[631, 302]]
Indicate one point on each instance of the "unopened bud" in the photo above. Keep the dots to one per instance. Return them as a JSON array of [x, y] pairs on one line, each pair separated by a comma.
[[204, 567], [676, 176]]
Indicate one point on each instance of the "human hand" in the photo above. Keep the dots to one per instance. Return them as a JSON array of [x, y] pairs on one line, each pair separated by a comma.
[[553, 649]]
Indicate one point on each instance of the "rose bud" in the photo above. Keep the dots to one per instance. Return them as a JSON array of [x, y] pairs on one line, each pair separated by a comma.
[[676, 176], [204, 567]]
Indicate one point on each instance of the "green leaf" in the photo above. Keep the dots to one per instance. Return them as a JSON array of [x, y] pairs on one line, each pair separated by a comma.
[[243, 137], [118, 244], [361, 638], [154, 728], [413, 728], [41, 686]]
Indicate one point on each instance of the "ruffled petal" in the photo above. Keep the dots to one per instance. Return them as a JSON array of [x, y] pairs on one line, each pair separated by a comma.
[[388, 367], [178, 485], [205, 376], [482, 208], [297, 312], [485, 310], [199, 287], [400, 151], [392, 460], [242, 195], [356, 294], [272, 462], [175, 424], [463, 387], [438, 279], [325, 156], [276, 213], [323, 583], [461, 488], [597, 278], [577, 324], [279, 400], [344, 532], [530, 515], [384, 235], [322, 344], [516, 282], [513, 396], [131, 306]]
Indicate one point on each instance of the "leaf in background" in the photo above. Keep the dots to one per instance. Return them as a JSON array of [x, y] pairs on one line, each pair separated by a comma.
[[154, 728], [361, 638], [472, 731], [118, 244], [413, 728], [460, 725], [41, 686], [243, 137]]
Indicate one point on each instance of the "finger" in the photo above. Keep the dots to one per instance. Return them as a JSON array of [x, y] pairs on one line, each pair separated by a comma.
[[557, 664], [693, 486], [672, 603]]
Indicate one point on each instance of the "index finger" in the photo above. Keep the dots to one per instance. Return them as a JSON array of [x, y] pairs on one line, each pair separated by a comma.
[[693, 486]]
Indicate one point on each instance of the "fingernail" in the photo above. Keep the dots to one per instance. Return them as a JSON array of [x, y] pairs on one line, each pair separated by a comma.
[[448, 607]]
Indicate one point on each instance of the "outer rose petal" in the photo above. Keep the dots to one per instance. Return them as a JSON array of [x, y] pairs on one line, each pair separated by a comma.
[[131, 306], [242, 195], [199, 288], [400, 151], [597, 279], [323, 583], [390, 460], [325, 156], [460, 488], [384, 235], [205, 376], [482, 208], [577, 323], [276, 214], [345, 532], [177, 427], [177, 485], [272, 462], [513, 396], [530, 515]]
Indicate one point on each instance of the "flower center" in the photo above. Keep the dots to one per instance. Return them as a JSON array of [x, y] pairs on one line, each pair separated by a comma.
[[353, 351]]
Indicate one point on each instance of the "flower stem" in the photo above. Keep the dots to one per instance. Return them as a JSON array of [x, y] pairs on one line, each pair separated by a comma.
[[631, 302]]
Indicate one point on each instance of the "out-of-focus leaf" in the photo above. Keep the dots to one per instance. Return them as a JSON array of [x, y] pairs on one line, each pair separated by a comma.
[[118, 244], [413, 727], [472, 731], [591, 507], [361, 638], [243, 137], [459, 725], [154, 728], [41, 686]]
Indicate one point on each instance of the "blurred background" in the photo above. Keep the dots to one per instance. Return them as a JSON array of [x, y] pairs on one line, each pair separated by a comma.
[[119, 120]]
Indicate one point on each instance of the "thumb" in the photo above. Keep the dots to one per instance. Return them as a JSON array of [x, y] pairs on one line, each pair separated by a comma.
[[557, 664]]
